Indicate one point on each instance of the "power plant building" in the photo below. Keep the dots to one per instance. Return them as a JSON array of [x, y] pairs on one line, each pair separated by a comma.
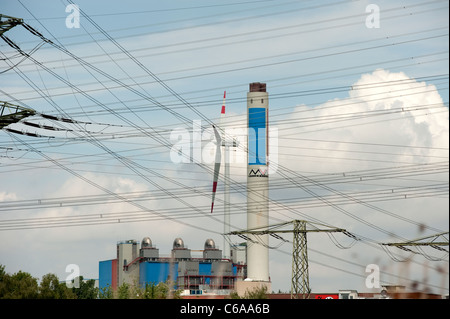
[[141, 263]]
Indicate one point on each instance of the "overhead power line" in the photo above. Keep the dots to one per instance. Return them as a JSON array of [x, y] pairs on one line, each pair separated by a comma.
[[172, 193], [300, 269], [10, 113]]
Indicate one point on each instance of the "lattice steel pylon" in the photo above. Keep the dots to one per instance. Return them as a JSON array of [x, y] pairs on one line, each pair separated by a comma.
[[300, 267], [435, 241], [11, 113], [420, 241], [7, 22]]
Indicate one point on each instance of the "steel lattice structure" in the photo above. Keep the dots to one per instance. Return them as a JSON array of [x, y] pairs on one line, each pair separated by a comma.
[[300, 272], [421, 242], [7, 22], [11, 113], [300, 268]]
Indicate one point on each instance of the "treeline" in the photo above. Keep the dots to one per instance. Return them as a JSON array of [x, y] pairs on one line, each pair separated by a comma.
[[22, 285]]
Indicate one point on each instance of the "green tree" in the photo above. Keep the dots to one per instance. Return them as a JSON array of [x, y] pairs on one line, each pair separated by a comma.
[[106, 292], [3, 281], [51, 288], [165, 290], [20, 285], [123, 291], [134, 291], [2, 272], [162, 290], [152, 291], [86, 289], [149, 291]]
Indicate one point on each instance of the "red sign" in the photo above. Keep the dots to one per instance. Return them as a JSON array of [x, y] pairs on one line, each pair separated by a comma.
[[327, 296]]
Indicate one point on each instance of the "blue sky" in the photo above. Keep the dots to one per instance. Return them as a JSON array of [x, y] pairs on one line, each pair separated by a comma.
[[348, 100]]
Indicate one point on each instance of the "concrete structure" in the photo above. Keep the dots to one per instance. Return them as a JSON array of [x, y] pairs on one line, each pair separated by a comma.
[[128, 253], [257, 182], [142, 264]]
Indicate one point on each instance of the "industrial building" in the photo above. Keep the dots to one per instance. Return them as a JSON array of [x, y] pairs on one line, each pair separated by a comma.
[[141, 263]]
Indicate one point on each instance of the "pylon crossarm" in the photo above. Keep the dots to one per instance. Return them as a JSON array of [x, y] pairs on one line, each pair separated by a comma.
[[416, 244], [7, 22], [428, 237], [419, 242], [265, 232], [272, 229], [10, 113]]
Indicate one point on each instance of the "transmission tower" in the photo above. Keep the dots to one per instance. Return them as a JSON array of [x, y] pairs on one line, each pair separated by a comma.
[[435, 241], [10, 113], [7, 22], [300, 271]]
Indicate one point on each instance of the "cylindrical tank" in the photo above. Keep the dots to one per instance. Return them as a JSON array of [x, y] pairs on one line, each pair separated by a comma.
[[210, 244], [257, 181], [178, 243], [146, 242]]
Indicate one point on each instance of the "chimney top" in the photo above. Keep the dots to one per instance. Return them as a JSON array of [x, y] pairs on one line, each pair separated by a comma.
[[257, 87]]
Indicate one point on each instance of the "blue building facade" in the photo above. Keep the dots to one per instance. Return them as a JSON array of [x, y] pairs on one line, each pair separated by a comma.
[[193, 275], [154, 272]]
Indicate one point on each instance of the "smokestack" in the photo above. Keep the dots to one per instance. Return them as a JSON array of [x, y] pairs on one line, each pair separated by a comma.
[[257, 181]]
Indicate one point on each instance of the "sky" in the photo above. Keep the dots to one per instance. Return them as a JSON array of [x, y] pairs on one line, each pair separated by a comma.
[[358, 101]]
